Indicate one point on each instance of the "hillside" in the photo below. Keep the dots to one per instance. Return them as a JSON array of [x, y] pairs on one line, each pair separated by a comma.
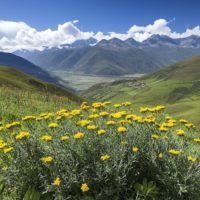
[[116, 57], [19, 63], [14, 79], [96, 60], [177, 86]]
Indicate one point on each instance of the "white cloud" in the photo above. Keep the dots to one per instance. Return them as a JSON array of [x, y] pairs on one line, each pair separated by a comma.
[[19, 35], [141, 33]]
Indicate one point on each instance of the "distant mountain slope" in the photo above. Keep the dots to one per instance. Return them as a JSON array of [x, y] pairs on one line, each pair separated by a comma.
[[97, 60], [177, 86], [116, 57], [13, 78], [27, 67]]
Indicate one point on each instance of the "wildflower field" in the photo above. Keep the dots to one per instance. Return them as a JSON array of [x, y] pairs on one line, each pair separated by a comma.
[[100, 150]]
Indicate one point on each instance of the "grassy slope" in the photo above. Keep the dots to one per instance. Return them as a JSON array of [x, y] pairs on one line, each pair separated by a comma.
[[15, 79], [15, 103], [177, 86]]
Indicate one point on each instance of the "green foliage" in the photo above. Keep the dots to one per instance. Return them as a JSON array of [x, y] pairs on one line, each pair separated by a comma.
[[77, 161], [31, 194], [146, 190]]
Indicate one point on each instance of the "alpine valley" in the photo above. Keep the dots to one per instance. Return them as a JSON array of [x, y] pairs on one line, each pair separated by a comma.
[[114, 56]]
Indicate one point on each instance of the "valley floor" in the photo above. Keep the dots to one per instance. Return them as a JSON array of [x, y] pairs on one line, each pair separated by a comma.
[[81, 82]]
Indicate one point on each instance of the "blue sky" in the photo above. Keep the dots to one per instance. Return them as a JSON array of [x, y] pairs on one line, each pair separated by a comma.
[[104, 15], [33, 24]]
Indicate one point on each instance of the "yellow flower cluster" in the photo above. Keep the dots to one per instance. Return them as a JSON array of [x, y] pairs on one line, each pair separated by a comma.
[[84, 187], [95, 121], [57, 182], [29, 117], [83, 122], [192, 159], [46, 138], [53, 125], [174, 152], [110, 123], [3, 144], [196, 140], [22, 135], [8, 150], [155, 136], [101, 132], [13, 124], [47, 159], [104, 157], [153, 109], [79, 135], [64, 138], [180, 132], [91, 127], [135, 149], [121, 129]]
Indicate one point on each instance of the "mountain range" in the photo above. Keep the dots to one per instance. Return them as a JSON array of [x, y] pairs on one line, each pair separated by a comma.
[[114, 56]]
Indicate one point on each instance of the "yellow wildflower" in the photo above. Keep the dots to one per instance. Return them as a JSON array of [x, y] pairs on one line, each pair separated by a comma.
[[174, 152], [84, 122], [143, 109], [104, 157], [104, 113], [168, 117], [97, 105], [196, 140], [180, 132], [183, 121], [75, 112], [57, 182], [84, 187], [105, 103], [91, 127], [121, 129], [160, 155], [3, 144], [46, 138], [53, 125], [30, 117], [22, 135], [116, 115], [101, 132], [8, 150], [135, 149], [192, 159], [39, 118], [13, 124], [117, 105], [126, 103], [189, 125], [93, 116], [47, 159], [110, 123], [79, 135], [163, 129], [155, 136], [64, 138], [58, 118]]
